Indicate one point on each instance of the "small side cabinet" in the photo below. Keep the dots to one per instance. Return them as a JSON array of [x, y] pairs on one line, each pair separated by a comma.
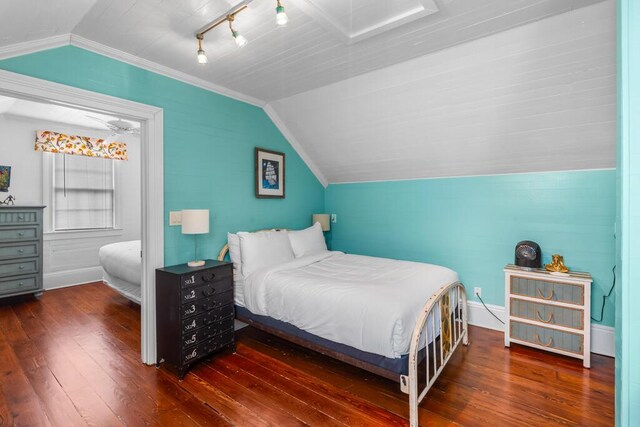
[[549, 312], [194, 313]]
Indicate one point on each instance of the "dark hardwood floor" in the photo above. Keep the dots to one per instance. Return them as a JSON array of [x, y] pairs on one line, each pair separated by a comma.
[[72, 358]]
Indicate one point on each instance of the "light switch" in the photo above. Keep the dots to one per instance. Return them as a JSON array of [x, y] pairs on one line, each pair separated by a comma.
[[175, 218], [334, 218]]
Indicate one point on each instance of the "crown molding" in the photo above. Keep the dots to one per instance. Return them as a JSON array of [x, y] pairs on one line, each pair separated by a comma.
[[90, 45], [24, 48], [275, 118]]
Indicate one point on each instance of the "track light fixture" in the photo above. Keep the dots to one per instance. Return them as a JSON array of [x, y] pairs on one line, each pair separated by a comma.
[[281, 19]]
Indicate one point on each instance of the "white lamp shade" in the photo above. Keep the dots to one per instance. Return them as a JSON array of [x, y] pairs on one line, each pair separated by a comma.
[[195, 221], [323, 219]]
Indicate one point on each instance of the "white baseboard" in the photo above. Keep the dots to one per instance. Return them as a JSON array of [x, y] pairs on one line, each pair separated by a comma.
[[63, 279], [603, 338]]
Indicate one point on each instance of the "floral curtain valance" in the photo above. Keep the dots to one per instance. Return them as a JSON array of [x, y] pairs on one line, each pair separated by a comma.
[[54, 142]]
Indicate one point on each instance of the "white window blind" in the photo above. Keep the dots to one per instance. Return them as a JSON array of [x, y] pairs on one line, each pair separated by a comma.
[[83, 193]]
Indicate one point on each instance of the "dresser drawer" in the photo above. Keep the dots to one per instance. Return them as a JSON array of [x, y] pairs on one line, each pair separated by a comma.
[[19, 267], [547, 337], [10, 234], [19, 250], [547, 290], [207, 332], [206, 276], [203, 349], [208, 290], [546, 313], [202, 305], [18, 217], [18, 284], [192, 323]]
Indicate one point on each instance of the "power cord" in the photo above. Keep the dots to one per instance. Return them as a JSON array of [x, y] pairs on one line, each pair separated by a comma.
[[604, 297], [485, 306]]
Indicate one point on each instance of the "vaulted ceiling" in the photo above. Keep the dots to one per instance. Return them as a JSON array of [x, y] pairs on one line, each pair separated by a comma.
[[373, 89]]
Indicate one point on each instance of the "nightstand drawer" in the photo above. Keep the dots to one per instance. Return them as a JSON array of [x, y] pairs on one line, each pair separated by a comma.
[[207, 332], [19, 234], [199, 351], [19, 284], [206, 276], [192, 323], [547, 337], [200, 306], [19, 250], [18, 217], [18, 267], [547, 290], [208, 290], [549, 314]]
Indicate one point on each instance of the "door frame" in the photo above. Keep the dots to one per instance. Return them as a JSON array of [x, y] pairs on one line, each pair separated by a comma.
[[152, 178]]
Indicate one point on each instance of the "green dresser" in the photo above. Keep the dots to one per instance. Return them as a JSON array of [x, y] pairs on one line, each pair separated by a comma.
[[20, 250], [549, 311]]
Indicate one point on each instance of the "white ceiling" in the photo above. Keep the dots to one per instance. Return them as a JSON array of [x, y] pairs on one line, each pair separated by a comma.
[[55, 113], [277, 62]]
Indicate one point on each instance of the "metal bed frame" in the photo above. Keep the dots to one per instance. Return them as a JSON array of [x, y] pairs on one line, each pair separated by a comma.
[[426, 361]]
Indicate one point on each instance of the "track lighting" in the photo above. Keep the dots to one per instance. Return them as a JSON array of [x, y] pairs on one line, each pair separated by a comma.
[[241, 41], [202, 57], [281, 17]]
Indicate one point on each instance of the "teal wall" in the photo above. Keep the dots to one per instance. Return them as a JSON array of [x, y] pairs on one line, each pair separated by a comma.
[[209, 142], [472, 224], [628, 243]]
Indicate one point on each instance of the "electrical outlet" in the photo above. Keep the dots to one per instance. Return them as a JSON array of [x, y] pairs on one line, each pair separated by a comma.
[[334, 218], [477, 292], [175, 218]]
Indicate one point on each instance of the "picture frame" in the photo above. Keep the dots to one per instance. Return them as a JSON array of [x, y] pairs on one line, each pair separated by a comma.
[[5, 178], [269, 174]]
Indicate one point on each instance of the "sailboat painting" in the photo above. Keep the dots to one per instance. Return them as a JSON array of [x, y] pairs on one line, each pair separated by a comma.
[[269, 173]]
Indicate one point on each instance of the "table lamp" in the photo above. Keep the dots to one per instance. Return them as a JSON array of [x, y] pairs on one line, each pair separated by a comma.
[[195, 221]]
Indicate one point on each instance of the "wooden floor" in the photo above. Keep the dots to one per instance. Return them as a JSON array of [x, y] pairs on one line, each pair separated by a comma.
[[72, 358]]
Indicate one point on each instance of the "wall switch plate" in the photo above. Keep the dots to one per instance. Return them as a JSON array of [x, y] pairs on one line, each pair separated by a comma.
[[334, 218], [175, 218], [478, 292]]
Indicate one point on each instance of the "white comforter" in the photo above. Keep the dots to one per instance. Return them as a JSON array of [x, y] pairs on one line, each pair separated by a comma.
[[368, 303], [122, 260]]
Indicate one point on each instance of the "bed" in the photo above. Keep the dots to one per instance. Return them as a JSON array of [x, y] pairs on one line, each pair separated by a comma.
[[397, 319], [122, 268]]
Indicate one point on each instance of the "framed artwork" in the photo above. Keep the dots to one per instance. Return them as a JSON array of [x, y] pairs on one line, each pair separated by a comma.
[[5, 178], [269, 174]]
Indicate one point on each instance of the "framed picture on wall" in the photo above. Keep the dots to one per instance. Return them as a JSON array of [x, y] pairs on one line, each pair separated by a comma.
[[5, 178], [269, 174]]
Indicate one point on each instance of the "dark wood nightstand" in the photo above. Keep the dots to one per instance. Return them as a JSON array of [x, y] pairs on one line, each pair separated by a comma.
[[194, 313]]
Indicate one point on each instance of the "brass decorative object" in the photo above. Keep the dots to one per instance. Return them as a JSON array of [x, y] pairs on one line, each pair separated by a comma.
[[557, 264]]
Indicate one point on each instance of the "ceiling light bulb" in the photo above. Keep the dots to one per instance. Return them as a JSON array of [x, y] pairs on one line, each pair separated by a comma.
[[202, 57], [241, 41], [281, 16]]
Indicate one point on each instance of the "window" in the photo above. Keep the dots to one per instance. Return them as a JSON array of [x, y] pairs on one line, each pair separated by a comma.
[[83, 193]]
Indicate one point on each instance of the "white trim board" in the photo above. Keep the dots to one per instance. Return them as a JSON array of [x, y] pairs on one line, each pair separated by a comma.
[[65, 279], [603, 338], [152, 152]]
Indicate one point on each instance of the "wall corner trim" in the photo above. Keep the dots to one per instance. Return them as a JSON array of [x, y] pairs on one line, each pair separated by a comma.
[[282, 127], [33, 46], [603, 338]]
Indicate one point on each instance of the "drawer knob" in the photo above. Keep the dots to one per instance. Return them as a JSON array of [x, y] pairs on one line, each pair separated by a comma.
[[208, 291], [546, 298], [209, 278], [21, 267], [20, 216], [20, 284], [20, 251], [548, 320], [21, 234], [548, 344]]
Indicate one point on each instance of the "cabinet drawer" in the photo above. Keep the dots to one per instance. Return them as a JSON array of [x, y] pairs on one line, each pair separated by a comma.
[[202, 277], [202, 305], [547, 290], [546, 313], [547, 337], [18, 284], [19, 250], [207, 332], [192, 323], [19, 234], [18, 217], [18, 267], [203, 349], [208, 290]]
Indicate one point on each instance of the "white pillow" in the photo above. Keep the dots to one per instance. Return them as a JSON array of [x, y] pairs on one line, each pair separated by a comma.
[[234, 252], [264, 249], [308, 241]]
